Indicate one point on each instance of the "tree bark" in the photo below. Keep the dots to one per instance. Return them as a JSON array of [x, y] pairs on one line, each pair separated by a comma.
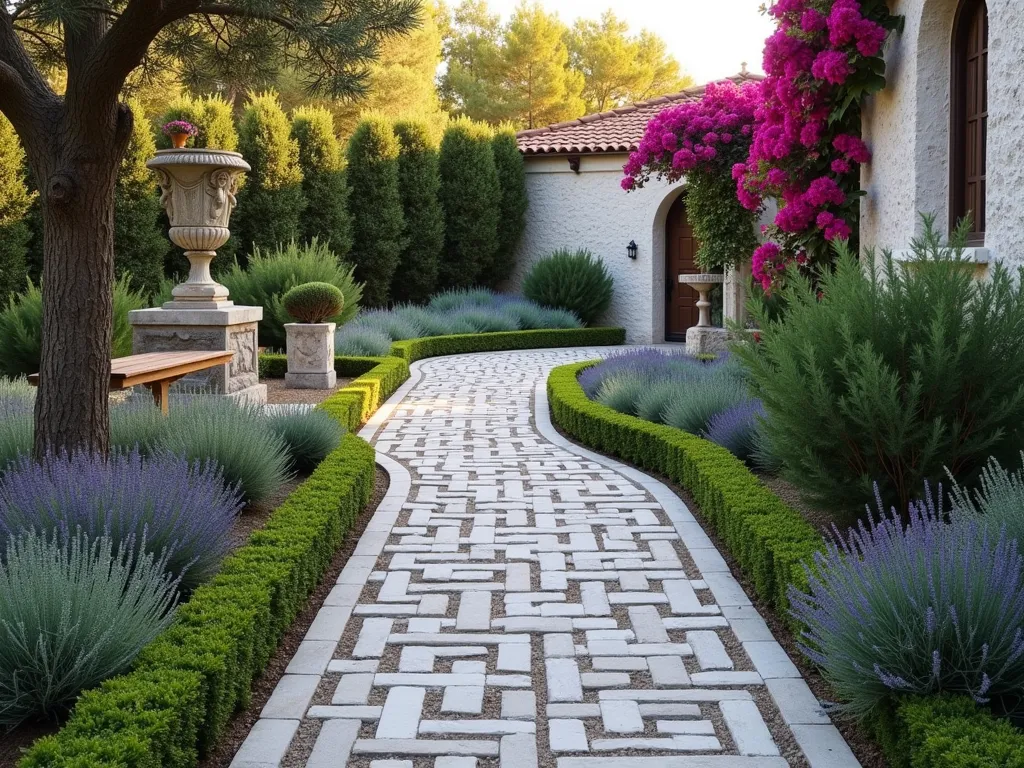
[[77, 172]]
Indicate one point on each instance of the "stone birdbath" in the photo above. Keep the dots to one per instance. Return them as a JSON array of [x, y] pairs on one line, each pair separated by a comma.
[[198, 188], [702, 284]]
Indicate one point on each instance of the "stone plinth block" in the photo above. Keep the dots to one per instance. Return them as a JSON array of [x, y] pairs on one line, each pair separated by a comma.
[[207, 330], [310, 356], [706, 340]]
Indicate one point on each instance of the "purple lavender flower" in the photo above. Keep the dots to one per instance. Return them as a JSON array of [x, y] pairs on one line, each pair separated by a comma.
[[735, 429], [923, 609], [169, 507]]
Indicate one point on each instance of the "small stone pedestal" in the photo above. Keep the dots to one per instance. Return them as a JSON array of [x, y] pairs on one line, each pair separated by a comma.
[[228, 328], [310, 356], [706, 340]]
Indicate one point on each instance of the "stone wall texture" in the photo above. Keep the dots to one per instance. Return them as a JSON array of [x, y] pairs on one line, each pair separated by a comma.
[[590, 210], [908, 127]]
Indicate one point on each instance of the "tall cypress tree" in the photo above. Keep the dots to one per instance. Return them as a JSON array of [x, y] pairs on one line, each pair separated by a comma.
[[508, 161], [470, 197], [323, 180], [376, 207], [139, 242], [419, 181], [271, 203], [14, 204]]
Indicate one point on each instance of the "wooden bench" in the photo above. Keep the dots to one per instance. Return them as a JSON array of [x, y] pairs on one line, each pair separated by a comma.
[[157, 370]]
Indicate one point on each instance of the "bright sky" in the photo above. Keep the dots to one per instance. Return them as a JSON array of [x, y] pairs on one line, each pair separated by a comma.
[[710, 38]]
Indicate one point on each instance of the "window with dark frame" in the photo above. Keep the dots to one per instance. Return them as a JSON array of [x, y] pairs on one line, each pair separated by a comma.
[[969, 117]]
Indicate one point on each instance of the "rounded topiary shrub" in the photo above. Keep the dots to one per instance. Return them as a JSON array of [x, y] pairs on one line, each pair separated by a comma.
[[576, 281], [314, 302]]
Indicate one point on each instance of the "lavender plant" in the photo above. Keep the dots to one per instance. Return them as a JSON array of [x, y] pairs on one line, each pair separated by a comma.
[[356, 341], [310, 435], [997, 502], [73, 612], [924, 608], [136, 424], [166, 506], [736, 429], [236, 438], [17, 399]]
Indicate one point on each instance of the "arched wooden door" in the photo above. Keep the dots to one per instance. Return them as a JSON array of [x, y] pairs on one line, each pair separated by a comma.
[[681, 310]]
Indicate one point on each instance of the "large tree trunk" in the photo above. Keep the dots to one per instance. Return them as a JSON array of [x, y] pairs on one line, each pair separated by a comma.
[[77, 173]]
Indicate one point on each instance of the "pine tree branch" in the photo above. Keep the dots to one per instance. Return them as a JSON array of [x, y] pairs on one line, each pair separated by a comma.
[[224, 11], [23, 91]]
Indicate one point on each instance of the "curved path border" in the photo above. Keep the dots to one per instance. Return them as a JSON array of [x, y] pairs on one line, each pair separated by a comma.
[[520, 601]]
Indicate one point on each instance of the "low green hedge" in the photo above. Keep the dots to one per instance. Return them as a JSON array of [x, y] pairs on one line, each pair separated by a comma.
[[187, 683], [770, 541], [435, 346], [274, 365], [768, 538]]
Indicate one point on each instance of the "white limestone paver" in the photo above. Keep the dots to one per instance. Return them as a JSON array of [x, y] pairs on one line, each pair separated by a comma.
[[530, 598]]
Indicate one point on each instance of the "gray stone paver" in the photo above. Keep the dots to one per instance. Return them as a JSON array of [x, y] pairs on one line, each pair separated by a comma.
[[525, 583]]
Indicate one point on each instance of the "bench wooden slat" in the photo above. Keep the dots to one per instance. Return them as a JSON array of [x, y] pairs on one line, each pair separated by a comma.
[[157, 366]]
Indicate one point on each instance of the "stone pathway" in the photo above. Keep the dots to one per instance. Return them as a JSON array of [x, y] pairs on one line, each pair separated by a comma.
[[518, 601]]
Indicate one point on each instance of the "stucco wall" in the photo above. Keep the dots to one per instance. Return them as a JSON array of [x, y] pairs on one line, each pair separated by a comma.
[[590, 210], [907, 126]]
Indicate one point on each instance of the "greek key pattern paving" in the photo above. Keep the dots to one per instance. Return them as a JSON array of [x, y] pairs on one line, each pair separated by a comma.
[[518, 601]]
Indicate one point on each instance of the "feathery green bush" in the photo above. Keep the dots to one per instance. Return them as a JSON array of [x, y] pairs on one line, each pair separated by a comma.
[[376, 207], [310, 436], [73, 612], [271, 203], [470, 197], [572, 280], [139, 242], [269, 275], [419, 181], [253, 458], [508, 161], [899, 370], [323, 180], [21, 328], [314, 302], [15, 201]]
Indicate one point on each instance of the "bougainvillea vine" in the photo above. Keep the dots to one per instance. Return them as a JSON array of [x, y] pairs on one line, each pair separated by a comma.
[[806, 151], [702, 140]]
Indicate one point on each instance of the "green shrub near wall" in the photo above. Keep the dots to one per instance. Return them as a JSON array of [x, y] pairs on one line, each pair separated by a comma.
[[470, 196], [186, 685], [769, 541], [508, 161], [376, 207], [435, 346]]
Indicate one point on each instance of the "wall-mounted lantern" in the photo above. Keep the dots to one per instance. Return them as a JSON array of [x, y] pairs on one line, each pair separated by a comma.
[[631, 250]]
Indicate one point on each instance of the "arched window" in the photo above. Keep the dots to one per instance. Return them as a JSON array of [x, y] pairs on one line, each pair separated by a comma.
[[969, 116]]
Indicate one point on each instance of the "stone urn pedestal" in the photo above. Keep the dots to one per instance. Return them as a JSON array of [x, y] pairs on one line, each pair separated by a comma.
[[198, 188], [310, 356], [704, 338]]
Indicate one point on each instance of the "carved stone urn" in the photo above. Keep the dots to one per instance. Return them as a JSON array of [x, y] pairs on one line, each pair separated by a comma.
[[198, 188], [198, 192]]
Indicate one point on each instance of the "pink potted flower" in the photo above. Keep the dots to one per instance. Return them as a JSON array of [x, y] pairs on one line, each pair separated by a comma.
[[179, 132]]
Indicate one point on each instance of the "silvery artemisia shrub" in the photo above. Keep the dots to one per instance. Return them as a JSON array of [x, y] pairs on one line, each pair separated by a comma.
[[73, 612], [922, 608]]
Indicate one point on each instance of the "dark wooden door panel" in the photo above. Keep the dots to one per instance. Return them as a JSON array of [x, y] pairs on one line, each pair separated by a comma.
[[681, 310]]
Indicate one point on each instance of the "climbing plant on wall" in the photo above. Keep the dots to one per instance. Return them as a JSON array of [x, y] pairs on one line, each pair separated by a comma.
[[702, 141], [823, 60]]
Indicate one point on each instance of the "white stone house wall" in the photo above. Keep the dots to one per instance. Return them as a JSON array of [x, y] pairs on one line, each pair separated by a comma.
[[908, 128]]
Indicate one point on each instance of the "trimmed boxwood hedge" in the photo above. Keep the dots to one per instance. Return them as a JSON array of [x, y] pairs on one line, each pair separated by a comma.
[[435, 346], [274, 365], [767, 537], [769, 541], [187, 683]]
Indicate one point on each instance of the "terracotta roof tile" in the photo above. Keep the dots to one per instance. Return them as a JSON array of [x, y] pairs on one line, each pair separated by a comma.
[[617, 130]]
